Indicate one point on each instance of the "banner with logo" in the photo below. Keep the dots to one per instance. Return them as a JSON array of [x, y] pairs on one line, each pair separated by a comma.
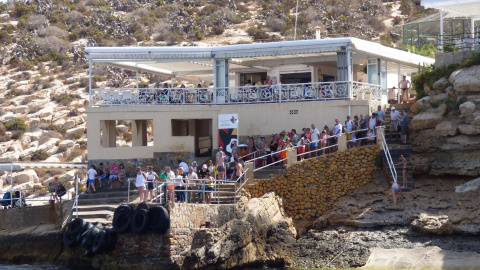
[[227, 131]]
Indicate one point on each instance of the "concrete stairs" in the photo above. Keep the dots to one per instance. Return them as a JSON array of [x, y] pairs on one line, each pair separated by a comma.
[[100, 206], [397, 149]]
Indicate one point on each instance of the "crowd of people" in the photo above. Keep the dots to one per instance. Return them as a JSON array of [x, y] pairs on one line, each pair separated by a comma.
[[185, 180]]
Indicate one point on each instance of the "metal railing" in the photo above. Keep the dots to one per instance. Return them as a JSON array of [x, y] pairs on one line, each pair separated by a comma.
[[47, 189], [389, 159], [339, 90], [199, 183]]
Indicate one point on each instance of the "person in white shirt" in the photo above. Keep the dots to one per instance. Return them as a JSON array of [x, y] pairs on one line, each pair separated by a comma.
[[91, 175], [394, 118], [140, 182], [337, 131], [170, 182], [183, 165], [348, 129], [192, 183], [315, 137]]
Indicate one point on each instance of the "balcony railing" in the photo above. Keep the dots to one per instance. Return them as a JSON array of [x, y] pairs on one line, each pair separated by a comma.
[[232, 95]]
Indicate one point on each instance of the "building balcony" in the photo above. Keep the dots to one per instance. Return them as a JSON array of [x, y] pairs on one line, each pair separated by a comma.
[[303, 92]]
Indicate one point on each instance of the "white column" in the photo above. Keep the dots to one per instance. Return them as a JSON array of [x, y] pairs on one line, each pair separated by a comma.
[[472, 30], [441, 31], [90, 81]]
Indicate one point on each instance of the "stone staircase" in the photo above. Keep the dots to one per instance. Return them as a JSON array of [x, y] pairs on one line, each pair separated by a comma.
[[100, 206], [397, 149]]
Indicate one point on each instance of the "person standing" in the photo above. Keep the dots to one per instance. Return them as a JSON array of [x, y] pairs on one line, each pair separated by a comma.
[[221, 159], [91, 175], [238, 175], [192, 183], [151, 177], [337, 132], [140, 184], [403, 162], [404, 84], [403, 127], [183, 165], [363, 129], [170, 177], [348, 129], [315, 137], [394, 118], [380, 112]]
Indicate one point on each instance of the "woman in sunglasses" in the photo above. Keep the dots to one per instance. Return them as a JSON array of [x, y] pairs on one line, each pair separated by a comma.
[[140, 184]]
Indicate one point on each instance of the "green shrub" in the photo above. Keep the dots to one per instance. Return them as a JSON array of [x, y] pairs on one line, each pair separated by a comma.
[[73, 155], [5, 38], [75, 135], [17, 134], [143, 84], [16, 124], [40, 155], [14, 93], [73, 37], [21, 10], [14, 62], [98, 78], [65, 99], [435, 104], [257, 33], [58, 57], [58, 129]]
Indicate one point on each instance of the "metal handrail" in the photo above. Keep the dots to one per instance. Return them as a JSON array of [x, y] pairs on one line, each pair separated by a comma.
[[391, 165], [240, 187]]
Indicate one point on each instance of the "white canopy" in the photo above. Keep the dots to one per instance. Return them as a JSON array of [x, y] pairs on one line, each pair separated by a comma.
[[467, 8], [17, 166]]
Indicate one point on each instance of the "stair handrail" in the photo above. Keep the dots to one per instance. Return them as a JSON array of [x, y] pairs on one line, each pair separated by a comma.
[[389, 159], [239, 180]]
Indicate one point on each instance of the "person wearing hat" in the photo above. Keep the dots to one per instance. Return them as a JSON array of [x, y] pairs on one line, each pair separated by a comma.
[[113, 174], [194, 165], [394, 117]]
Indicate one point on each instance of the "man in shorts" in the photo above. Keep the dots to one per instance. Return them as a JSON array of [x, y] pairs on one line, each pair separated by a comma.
[[337, 131], [348, 125], [101, 174], [394, 117], [221, 159]]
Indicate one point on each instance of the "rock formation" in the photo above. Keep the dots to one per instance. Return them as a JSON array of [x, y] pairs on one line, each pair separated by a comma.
[[446, 127]]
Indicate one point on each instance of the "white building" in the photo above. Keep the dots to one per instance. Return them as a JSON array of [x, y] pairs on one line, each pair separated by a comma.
[[297, 83]]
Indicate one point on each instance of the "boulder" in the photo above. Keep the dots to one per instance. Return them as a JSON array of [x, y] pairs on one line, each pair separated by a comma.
[[421, 105], [428, 119], [16, 147], [122, 128], [4, 147], [25, 139], [44, 112], [54, 134], [52, 150], [34, 122], [19, 109], [81, 128], [451, 93], [447, 128], [25, 176], [59, 122], [469, 186], [466, 80], [49, 144], [440, 85], [440, 97], [52, 159], [469, 129], [70, 123], [26, 185], [35, 136], [66, 143], [467, 108], [433, 224]]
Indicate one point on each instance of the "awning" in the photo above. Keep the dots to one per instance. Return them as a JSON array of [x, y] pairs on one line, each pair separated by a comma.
[[467, 8], [17, 166]]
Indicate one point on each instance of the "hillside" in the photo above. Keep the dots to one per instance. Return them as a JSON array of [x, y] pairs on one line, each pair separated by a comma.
[[43, 76]]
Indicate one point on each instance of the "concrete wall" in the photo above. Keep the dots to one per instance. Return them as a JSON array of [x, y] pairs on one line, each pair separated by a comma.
[[254, 119], [17, 219], [445, 59]]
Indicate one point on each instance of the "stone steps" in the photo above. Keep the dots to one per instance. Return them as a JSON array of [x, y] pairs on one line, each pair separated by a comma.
[[269, 172]]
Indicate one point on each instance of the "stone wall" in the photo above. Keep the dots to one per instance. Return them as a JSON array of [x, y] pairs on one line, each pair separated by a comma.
[[311, 187], [159, 161], [445, 59], [17, 219]]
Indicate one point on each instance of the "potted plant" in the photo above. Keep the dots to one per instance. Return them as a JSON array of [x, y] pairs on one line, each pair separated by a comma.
[[360, 94], [368, 95]]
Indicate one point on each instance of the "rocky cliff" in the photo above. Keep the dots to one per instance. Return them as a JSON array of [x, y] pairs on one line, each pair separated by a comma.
[[445, 132]]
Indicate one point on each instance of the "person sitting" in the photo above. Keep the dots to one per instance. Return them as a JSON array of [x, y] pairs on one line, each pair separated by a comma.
[[121, 174], [113, 174], [101, 174]]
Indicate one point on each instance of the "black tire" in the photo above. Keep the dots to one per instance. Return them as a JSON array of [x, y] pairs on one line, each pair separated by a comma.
[[111, 239], [139, 222], [89, 237], [125, 208], [88, 253], [100, 242], [69, 240], [85, 228], [158, 219], [75, 227], [121, 221]]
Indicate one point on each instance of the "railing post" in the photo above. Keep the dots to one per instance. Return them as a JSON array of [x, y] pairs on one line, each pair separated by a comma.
[[291, 157], [128, 196], [76, 194], [342, 143], [380, 139], [249, 175]]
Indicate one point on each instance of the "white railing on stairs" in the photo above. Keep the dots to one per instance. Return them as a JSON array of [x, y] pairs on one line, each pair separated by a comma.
[[389, 159]]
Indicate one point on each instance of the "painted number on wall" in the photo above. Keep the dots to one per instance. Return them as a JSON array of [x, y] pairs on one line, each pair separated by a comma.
[[293, 111]]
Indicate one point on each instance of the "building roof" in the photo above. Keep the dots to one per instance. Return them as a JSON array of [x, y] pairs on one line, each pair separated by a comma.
[[197, 61], [467, 8]]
